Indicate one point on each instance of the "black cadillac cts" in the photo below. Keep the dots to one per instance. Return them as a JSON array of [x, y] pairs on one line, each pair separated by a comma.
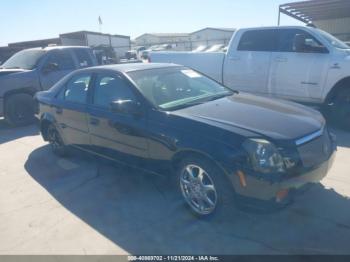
[[224, 146]]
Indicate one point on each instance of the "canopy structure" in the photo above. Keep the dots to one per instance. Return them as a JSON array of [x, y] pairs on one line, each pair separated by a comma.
[[314, 10]]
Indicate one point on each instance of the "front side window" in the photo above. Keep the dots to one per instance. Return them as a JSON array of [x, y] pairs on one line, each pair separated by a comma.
[[296, 40], [62, 59], [84, 58], [111, 88], [258, 40], [76, 89], [26, 59], [176, 87]]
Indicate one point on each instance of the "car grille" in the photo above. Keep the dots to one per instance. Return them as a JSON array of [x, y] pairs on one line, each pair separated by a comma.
[[316, 150]]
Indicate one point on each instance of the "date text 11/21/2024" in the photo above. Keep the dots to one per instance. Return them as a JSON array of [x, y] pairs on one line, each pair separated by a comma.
[[173, 258]]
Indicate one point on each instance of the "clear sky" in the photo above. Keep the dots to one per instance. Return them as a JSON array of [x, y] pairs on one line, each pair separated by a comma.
[[23, 20]]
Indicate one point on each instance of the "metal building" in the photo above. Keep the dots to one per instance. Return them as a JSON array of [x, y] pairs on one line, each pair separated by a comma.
[[211, 36], [119, 43], [187, 41], [332, 16]]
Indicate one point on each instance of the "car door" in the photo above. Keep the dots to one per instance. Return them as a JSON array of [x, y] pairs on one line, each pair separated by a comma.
[[58, 64], [247, 63], [298, 74], [70, 110], [116, 135]]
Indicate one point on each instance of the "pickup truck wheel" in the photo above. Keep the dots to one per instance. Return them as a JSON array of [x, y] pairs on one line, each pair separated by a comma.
[[56, 142], [204, 187], [20, 110], [340, 109]]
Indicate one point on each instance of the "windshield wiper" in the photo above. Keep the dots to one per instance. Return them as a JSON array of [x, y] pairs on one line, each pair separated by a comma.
[[218, 96], [202, 101]]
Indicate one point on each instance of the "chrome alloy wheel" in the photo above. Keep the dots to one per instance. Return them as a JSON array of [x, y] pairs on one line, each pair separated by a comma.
[[198, 189]]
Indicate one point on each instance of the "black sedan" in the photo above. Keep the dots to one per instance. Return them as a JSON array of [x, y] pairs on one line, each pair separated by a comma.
[[218, 144]]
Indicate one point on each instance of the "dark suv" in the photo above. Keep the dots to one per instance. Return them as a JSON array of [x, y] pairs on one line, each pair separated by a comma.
[[32, 70]]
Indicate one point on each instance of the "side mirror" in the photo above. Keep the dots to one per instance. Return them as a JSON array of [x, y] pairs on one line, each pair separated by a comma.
[[299, 43], [126, 107], [50, 67]]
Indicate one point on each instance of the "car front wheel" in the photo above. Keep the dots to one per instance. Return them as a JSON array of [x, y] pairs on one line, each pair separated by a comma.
[[56, 141], [204, 186]]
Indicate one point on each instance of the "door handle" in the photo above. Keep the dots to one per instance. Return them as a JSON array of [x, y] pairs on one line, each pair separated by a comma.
[[281, 59], [94, 121], [59, 111]]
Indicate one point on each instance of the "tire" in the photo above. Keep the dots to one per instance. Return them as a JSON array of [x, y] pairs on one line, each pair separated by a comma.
[[214, 187], [57, 145], [340, 108], [20, 110]]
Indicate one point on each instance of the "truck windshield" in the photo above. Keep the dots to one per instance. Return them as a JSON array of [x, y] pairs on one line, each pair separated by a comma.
[[26, 59], [173, 88], [335, 42]]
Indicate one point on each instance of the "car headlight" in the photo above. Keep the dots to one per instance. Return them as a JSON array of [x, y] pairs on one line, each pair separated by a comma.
[[264, 156]]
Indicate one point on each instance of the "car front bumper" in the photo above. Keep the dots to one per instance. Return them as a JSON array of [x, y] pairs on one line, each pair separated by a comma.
[[279, 192]]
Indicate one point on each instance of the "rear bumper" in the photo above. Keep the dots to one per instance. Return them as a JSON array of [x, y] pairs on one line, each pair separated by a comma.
[[264, 191]]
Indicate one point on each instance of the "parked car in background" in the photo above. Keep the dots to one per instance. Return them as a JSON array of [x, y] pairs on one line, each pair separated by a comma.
[[33, 70], [132, 54], [302, 64], [223, 145], [139, 51]]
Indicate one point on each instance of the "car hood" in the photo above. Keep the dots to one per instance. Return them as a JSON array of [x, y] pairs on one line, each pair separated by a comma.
[[276, 119], [4, 72]]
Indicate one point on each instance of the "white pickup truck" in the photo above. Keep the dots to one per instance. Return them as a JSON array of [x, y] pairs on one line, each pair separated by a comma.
[[298, 63]]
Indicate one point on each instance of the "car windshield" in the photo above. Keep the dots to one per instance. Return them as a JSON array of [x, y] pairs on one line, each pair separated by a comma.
[[26, 59], [177, 87], [335, 42]]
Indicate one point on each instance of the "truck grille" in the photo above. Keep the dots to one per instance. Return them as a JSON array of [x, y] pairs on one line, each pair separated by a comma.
[[316, 150]]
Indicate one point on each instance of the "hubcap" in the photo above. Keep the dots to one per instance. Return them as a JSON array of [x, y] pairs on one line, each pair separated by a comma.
[[54, 139], [198, 189], [22, 112]]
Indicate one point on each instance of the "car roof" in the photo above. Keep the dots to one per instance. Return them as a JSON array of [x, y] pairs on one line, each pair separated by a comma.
[[129, 67], [276, 27]]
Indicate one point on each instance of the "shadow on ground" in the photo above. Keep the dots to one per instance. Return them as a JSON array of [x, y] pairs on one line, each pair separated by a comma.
[[142, 214], [8, 133]]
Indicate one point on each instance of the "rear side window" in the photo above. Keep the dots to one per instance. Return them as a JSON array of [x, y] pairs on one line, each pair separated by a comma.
[[62, 59], [84, 58], [76, 89], [258, 40], [110, 88]]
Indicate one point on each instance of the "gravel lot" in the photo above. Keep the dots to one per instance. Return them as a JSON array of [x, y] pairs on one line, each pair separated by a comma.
[[82, 205]]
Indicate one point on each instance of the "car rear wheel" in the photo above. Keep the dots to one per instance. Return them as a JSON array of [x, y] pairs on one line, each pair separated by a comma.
[[340, 108], [20, 109], [204, 187], [56, 142]]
